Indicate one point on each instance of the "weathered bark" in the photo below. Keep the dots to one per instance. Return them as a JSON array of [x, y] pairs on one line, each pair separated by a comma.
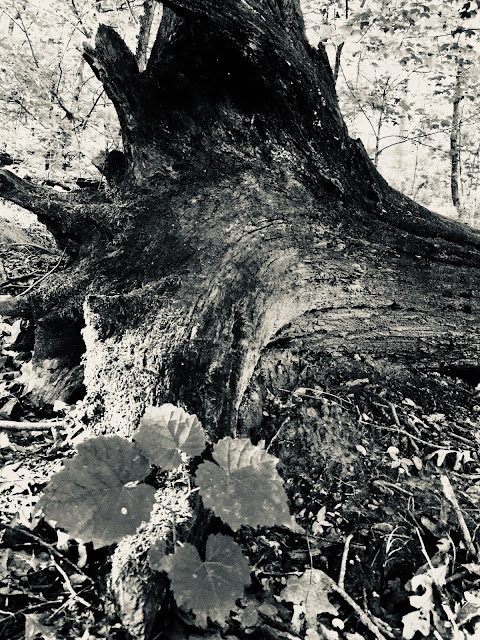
[[247, 217]]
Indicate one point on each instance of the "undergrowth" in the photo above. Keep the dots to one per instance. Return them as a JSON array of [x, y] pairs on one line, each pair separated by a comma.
[[101, 496]]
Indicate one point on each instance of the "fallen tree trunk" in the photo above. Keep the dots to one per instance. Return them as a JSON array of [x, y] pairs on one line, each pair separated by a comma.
[[247, 221]]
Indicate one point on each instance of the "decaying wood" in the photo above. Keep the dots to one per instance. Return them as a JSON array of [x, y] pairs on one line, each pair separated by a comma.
[[11, 306], [249, 225], [40, 247]]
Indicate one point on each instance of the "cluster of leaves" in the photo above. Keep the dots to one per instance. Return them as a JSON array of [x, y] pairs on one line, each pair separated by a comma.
[[98, 496], [289, 567], [55, 116], [397, 58]]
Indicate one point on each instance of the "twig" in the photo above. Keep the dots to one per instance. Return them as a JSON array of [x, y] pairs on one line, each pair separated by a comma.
[[17, 278], [310, 553], [12, 425], [409, 435], [457, 576], [275, 436], [364, 618], [68, 584], [451, 497], [54, 268], [53, 252], [343, 566], [427, 557], [33, 607], [270, 632], [56, 553], [392, 485], [462, 439], [394, 414], [332, 395], [317, 395]]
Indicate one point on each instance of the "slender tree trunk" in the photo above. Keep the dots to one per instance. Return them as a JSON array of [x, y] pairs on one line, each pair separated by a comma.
[[339, 49], [338, 57], [455, 145], [147, 21]]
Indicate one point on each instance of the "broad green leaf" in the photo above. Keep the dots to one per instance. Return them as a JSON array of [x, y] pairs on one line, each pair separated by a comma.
[[167, 431], [89, 497], [244, 487], [209, 589]]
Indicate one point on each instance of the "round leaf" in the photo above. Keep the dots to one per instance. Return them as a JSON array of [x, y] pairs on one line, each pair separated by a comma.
[[244, 487], [210, 588], [89, 497], [165, 432]]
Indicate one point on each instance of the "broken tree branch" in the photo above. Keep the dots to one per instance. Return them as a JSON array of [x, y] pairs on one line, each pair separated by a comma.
[[30, 196], [12, 425], [115, 66], [70, 222]]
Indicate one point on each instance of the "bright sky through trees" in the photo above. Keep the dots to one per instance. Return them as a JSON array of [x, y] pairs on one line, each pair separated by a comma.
[[407, 78]]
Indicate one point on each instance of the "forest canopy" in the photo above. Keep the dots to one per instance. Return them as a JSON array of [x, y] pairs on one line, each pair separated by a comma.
[[406, 76]]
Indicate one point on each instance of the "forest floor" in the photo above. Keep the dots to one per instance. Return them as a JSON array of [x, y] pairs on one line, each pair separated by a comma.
[[381, 471]]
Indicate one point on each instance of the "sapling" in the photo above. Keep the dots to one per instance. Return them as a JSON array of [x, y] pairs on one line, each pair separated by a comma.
[[100, 496]]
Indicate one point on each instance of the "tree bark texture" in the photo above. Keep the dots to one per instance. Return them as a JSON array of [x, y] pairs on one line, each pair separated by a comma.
[[244, 206], [247, 221]]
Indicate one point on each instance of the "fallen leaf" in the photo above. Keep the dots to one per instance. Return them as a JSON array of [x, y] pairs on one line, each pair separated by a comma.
[[311, 592], [34, 628], [416, 621]]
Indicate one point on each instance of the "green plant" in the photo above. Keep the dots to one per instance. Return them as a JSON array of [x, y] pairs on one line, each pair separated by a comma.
[[99, 496]]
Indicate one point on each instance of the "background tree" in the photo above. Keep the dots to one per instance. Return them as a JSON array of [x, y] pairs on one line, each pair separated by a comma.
[[55, 116], [250, 234], [397, 82]]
